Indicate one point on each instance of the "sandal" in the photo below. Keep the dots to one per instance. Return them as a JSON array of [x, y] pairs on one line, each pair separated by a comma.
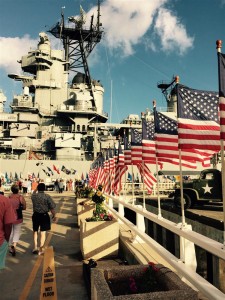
[[41, 251], [35, 251], [12, 250]]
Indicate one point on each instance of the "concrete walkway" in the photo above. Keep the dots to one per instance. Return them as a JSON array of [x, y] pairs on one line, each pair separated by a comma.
[[21, 280]]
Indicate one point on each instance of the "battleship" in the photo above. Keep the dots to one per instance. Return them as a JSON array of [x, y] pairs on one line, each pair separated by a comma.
[[52, 120], [57, 125]]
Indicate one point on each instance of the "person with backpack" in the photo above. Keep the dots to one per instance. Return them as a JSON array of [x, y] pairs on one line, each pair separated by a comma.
[[19, 204]]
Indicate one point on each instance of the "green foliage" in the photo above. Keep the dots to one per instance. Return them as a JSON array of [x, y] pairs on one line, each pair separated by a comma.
[[99, 214]]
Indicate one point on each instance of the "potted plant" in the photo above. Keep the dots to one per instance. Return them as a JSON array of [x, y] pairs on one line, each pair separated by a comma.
[[85, 205], [99, 234], [139, 282], [100, 213]]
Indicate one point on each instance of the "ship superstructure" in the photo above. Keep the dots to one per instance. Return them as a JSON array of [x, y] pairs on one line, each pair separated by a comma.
[[51, 119]]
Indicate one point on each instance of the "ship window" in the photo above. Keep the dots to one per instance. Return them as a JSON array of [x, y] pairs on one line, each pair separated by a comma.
[[83, 127], [78, 127]]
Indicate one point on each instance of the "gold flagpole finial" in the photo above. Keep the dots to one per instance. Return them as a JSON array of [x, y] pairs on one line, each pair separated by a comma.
[[218, 45]]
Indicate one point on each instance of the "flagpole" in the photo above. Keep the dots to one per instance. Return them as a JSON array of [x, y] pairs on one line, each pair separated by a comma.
[[143, 184], [132, 170], [181, 191], [157, 170], [125, 186], [219, 46], [158, 197]]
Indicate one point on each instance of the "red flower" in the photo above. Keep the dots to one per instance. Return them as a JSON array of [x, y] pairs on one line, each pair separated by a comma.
[[132, 285]]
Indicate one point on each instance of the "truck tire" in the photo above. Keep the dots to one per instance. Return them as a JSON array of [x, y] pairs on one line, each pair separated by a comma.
[[187, 201]]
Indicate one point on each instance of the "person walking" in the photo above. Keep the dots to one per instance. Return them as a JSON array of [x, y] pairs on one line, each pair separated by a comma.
[[24, 186], [19, 204], [7, 218], [56, 185], [61, 186], [42, 204], [34, 185]]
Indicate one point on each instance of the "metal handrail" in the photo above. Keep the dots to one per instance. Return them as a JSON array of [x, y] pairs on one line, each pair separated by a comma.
[[208, 244]]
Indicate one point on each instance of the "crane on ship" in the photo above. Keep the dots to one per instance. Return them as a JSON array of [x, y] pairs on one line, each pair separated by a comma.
[[78, 42], [167, 87], [168, 90]]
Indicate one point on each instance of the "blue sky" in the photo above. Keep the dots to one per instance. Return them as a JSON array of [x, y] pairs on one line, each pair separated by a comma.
[[145, 41]]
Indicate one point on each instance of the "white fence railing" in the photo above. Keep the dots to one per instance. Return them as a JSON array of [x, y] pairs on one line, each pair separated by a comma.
[[183, 265]]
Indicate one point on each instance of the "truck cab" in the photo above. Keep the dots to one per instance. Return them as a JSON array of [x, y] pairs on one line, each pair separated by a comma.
[[208, 187]]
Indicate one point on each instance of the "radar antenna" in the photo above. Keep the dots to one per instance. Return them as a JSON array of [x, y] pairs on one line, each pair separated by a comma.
[[78, 42], [166, 87]]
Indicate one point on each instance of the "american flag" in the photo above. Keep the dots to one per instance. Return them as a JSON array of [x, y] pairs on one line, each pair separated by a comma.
[[148, 178], [167, 150], [120, 157], [92, 177], [121, 168], [107, 178], [94, 173], [127, 151], [198, 119], [112, 165], [221, 62], [136, 147], [100, 172], [148, 143]]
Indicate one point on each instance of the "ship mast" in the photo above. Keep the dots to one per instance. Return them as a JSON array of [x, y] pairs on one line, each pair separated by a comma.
[[78, 42]]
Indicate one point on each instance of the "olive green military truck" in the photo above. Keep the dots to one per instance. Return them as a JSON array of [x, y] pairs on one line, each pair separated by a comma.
[[208, 187]]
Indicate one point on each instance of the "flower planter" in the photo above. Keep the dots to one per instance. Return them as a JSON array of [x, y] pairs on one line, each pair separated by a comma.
[[84, 210], [170, 286], [99, 239]]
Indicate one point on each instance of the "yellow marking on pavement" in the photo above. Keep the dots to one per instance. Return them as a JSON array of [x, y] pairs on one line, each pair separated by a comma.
[[32, 276], [31, 279]]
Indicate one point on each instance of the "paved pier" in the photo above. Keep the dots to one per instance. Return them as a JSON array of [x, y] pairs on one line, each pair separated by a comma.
[[21, 280]]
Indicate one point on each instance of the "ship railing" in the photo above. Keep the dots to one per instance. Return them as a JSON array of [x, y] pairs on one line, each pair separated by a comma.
[[65, 128], [165, 109], [70, 158], [162, 188], [28, 104], [8, 156], [75, 108], [185, 265]]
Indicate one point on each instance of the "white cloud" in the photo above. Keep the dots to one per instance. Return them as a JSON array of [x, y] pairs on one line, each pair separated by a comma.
[[12, 49], [126, 23], [171, 32]]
